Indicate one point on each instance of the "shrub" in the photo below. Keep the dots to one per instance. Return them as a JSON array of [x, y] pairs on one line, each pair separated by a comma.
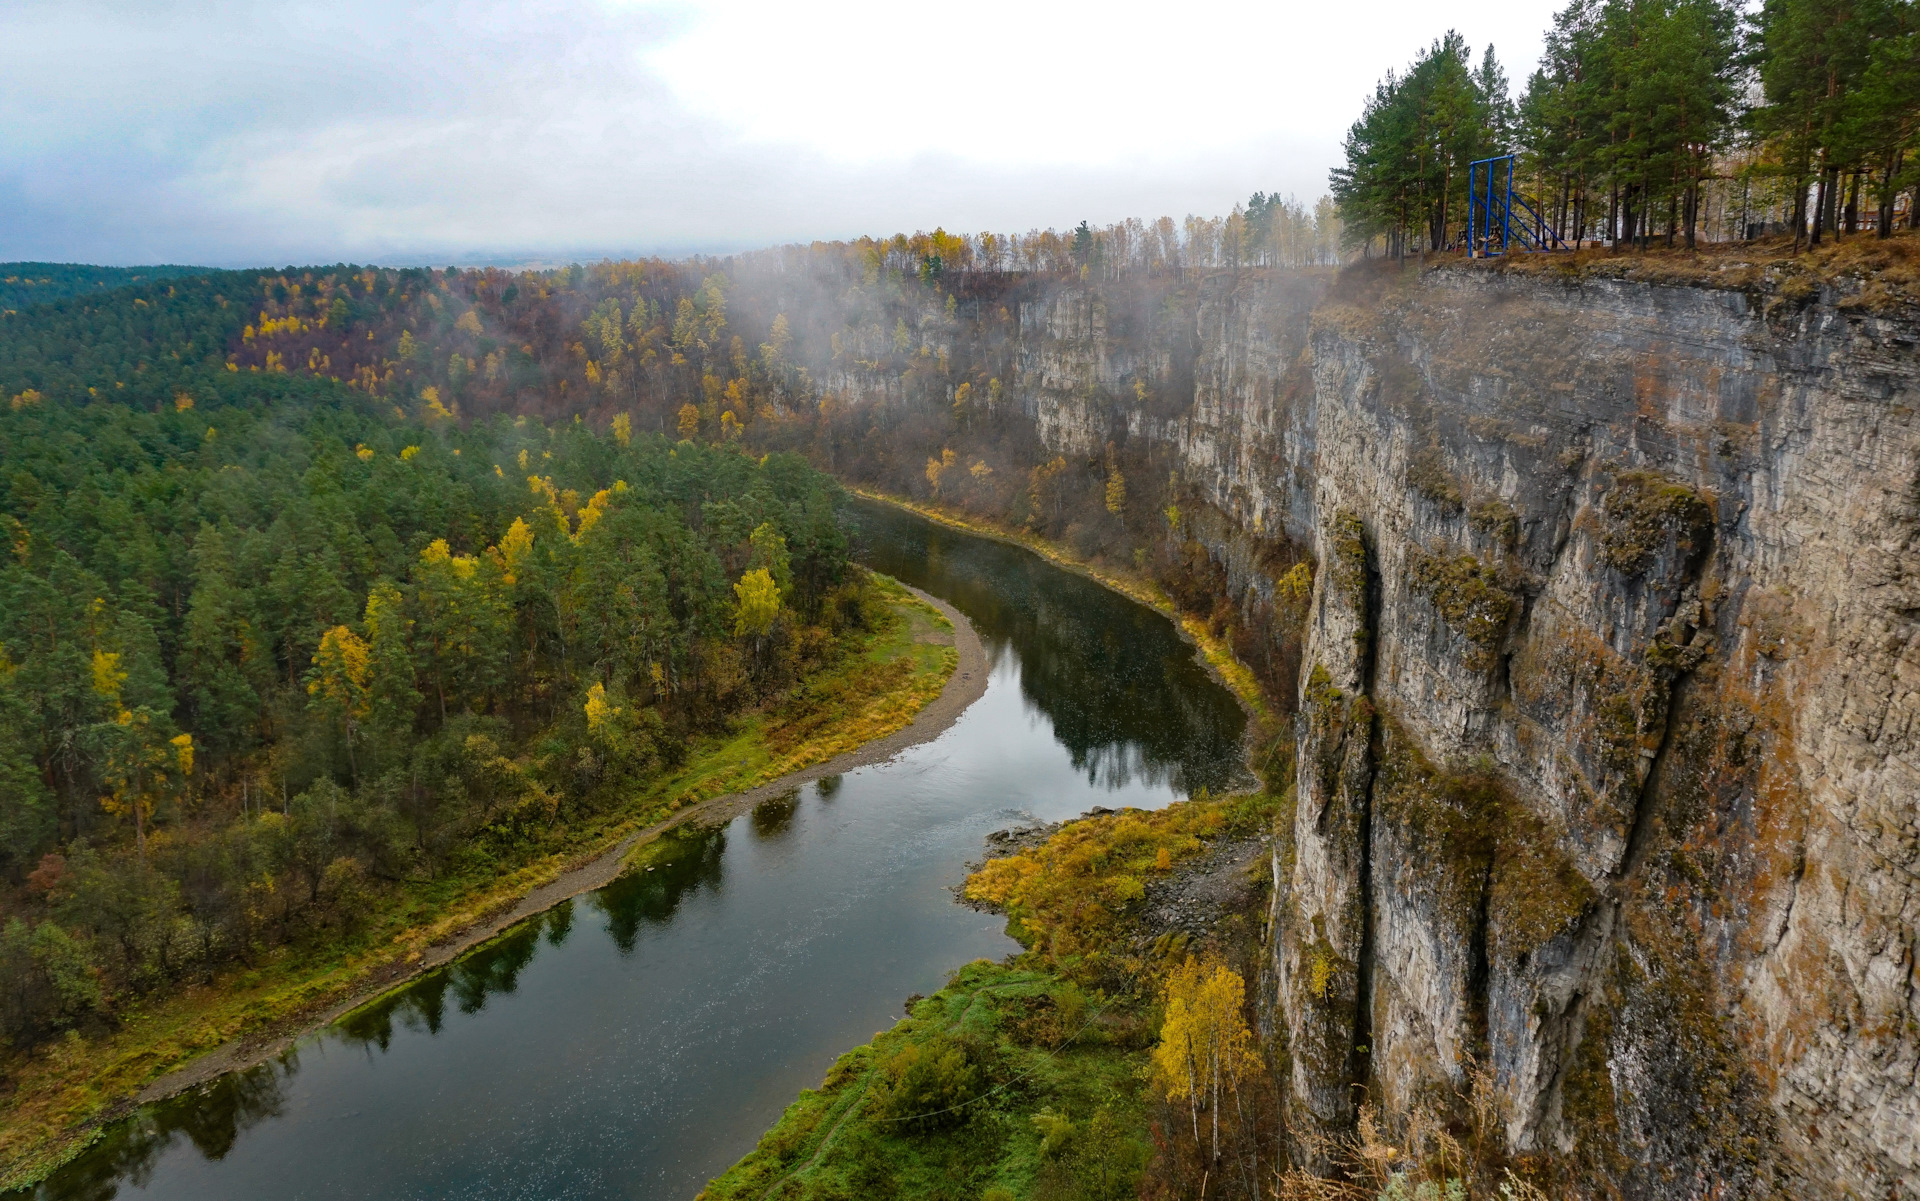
[[927, 1086], [47, 981]]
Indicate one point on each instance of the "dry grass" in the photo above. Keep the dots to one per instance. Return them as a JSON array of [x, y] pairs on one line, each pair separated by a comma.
[[1862, 271], [1451, 1150]]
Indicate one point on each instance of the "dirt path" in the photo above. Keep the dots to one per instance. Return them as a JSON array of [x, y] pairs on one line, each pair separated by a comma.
[[965, 686]]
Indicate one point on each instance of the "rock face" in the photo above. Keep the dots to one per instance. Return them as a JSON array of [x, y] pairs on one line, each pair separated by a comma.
[[1622, 594], [1608, 784]]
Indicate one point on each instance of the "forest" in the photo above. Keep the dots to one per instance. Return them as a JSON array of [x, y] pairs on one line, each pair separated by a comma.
[[1655, 119], [331, 587], [276, 650], [23, 285]]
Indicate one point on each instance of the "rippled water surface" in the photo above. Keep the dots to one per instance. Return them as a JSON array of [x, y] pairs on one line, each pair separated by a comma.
[[637, 1040]]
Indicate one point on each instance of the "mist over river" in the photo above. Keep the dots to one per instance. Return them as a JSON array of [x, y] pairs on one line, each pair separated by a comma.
[[635, 1041]]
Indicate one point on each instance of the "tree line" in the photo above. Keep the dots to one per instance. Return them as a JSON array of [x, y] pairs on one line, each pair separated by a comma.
[[1799, 116], [273, 646]]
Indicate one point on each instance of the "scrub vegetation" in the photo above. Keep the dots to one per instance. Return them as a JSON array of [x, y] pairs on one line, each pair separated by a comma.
[[1112, 1059]]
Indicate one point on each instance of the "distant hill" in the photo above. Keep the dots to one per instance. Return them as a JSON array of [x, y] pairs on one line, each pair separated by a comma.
[[23, 284]]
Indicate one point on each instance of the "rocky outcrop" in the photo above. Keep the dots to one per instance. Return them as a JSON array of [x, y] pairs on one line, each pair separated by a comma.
[[1639, 619], [1608, 754]]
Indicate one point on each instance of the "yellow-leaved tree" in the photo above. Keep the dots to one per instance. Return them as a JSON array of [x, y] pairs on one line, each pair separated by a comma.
[[689, 422], [759, 600], [516, 548], [770, 552], [601, 712], [141, 760], [937, 469], [759, 596], [1044, 491], [1205, 1046], [338, 683]]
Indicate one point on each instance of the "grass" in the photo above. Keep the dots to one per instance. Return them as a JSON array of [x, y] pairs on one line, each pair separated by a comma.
[[1034, 1046], [1214, 651], [61, 1096], [1055, 1043], [1863, 271], [1071, 899]]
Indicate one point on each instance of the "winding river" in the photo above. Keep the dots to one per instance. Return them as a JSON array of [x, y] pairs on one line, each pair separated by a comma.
[[635, 1041]]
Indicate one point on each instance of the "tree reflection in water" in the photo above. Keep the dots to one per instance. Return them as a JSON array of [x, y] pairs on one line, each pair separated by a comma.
[[773, 816], [683, 860], [1124, 694], [212, 1117]]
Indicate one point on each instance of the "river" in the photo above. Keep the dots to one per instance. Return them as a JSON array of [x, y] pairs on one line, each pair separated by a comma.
[[635, 1041]]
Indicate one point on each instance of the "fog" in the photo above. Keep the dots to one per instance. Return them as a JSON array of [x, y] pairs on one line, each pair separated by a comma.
[[228, 133]]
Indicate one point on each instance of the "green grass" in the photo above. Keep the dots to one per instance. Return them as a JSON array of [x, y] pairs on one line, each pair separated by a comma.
[[1036, 1047]]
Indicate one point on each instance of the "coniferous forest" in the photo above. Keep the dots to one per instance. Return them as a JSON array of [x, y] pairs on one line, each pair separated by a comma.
[[1653, 121], [276, 646]]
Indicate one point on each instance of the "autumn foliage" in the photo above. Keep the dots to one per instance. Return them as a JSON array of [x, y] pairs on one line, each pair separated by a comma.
[[271, 655], [1066, 898]]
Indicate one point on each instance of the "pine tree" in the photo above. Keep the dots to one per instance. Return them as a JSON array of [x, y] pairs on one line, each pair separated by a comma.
[[1839, 81], [392, 697], [1633, 101], [1407, 157], [220, 700]]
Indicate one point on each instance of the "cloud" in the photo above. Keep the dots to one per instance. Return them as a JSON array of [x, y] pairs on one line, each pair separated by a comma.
[[222, 132]]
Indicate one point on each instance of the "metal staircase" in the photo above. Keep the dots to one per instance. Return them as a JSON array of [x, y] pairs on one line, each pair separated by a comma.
[[1499, 219]]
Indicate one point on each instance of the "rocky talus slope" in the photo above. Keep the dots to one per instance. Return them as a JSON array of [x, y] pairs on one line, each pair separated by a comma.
[[1609, 761]]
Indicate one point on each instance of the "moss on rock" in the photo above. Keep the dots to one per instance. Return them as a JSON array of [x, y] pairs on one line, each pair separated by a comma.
[[1467, 832], [1496, 519], [1347, 555], [1644, 512], [1468, 595], [1427, 474]]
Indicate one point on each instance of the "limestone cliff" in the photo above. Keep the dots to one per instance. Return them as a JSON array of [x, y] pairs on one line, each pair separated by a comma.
[[1618, 711], [1608, 777]]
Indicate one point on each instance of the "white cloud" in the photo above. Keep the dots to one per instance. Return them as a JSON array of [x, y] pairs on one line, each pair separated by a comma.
[[1012, 82], [230, 132]]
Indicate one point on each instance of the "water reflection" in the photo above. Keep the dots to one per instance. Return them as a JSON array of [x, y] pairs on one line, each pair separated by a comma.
[[211, 1118], [771, 817], [635, 1041], [1128, 701], [684, 861]]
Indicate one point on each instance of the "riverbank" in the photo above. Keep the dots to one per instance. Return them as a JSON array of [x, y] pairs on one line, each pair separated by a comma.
[[1214, 652], [250, 1017], [1033, 1078]]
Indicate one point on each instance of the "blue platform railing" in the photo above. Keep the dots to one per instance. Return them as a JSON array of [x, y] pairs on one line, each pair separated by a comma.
[[1499, 219]]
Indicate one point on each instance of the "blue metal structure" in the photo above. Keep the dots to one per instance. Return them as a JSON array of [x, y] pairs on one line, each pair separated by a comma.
[[1499, 219]]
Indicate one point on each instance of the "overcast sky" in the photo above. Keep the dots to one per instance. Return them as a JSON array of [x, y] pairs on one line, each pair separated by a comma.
[[247, 132]]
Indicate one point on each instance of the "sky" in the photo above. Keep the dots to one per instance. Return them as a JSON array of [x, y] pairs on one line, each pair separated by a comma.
[[254, 132]]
